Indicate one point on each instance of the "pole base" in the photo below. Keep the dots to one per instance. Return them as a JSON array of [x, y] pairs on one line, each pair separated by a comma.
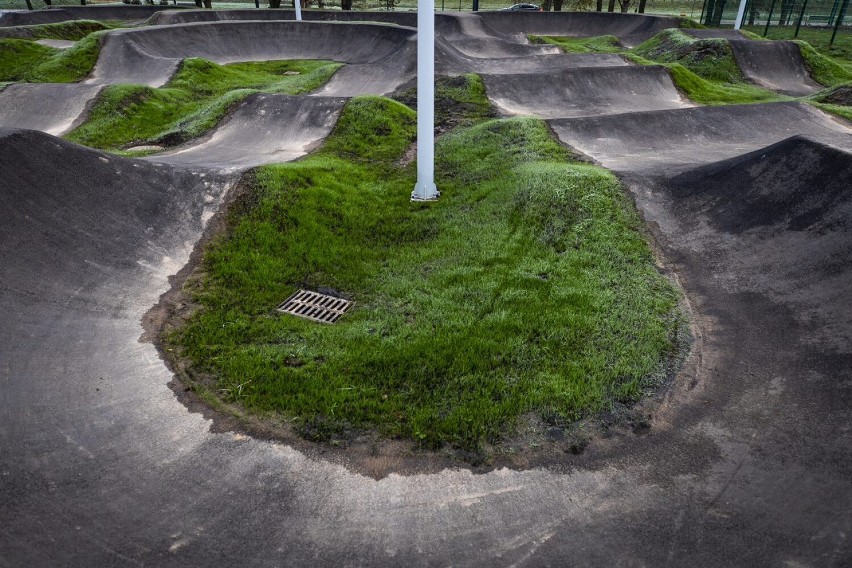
[[425, 193]]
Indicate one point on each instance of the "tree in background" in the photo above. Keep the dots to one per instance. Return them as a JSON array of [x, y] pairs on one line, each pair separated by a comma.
[[714, 11]]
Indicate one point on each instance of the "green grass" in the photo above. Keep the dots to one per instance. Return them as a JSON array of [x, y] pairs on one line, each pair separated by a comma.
[[704, 70], [192, 102], [46, 64], [18, 57], [73, 30], [598, 44], [717, 92], [823, 69], [459, 101], [709, 92], [843, 111], [836, 100], [527, 288], [710, 59]]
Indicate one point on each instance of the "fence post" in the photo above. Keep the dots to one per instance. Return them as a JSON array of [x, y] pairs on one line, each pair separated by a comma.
[[838, 21], [801, 15], [769, 18]]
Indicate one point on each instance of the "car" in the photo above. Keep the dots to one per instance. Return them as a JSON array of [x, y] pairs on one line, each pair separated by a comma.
[[522, 8]]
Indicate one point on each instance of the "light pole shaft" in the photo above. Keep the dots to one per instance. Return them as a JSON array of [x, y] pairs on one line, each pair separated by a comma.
[[740, 14], [425, 188]]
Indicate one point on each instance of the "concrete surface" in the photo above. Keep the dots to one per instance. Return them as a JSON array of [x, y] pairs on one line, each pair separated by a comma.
[[56, 14], [775, 65], [54, 108], [263, 129], [585, 91], [746, 462]]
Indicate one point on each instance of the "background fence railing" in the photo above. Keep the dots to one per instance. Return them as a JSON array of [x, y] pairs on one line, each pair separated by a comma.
[[815, 21]]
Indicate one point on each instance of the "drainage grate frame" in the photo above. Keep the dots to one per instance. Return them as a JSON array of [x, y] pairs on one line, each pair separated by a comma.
[[314, 306]]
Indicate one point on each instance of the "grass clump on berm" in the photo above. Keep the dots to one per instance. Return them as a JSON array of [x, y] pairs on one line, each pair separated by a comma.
[[193, 101], [527, 288]]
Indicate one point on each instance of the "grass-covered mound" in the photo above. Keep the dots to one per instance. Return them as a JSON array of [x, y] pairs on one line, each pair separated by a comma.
[[704, 70], [824, 70], [709, 92], [193, 101], [27, 61], [597, 44], [72, 30], [527, 288], [837, 100], [710, 59]]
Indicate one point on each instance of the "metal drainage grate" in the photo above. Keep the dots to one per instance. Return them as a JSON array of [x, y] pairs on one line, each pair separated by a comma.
[[315, 306]]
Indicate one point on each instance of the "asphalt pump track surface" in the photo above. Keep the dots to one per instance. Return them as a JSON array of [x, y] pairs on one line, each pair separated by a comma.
[[747, 459]]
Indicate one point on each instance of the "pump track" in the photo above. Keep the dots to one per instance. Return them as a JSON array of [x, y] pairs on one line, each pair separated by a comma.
[[748, 461]]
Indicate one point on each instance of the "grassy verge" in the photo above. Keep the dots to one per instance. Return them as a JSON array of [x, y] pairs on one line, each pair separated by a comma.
[[193, 101], [27, 61], [527, 288], [598, 44], [823, 69], [74, 30], [709, 92], [710, 59], [837, 100]]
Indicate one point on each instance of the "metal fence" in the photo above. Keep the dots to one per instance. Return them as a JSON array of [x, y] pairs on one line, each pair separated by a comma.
[[775, 18]]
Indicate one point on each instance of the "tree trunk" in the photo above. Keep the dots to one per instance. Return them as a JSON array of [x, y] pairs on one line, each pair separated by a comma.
[[642, 6], [545, 6], [786, 12], [715, 9], [708, 15], [625, 5], [599, 6], [557, 5], [345, 4], [274, 3], [29, 5], [611, 7], [208, 4], [752, 12], [198, 4]]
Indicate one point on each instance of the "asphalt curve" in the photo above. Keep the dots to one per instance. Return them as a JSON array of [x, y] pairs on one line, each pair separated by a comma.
[[263, 129], [25, 105], [748, 456], [585, 91]]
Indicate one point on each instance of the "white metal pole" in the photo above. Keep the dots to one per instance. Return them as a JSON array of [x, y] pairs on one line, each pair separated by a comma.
[[425, 189], [298, 5], [740, 14]]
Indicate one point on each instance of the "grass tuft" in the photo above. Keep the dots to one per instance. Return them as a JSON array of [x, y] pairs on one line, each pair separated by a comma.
[[598, 44], [719, 93]]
